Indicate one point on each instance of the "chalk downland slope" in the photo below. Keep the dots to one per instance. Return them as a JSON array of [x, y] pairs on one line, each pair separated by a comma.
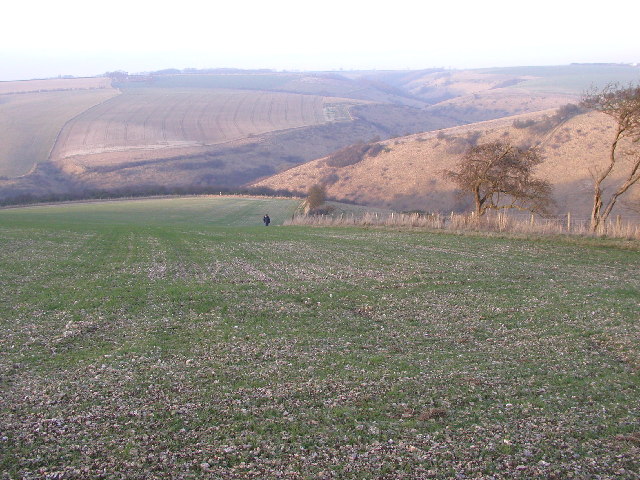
[[194, 131], [169, 121], [407, 173], [32, 114]]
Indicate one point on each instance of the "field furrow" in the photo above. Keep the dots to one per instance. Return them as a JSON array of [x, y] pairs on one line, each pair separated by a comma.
[[252, 120], [225, 117], [217, 126], [178, 338], [202, 118], [318, 109], [183, 131], [142, 119], [134, 127], [153, 118]]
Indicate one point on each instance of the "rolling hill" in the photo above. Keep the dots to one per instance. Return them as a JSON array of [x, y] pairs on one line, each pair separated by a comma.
[[407, 173], [179, 121], [221, 129], [33, 113]]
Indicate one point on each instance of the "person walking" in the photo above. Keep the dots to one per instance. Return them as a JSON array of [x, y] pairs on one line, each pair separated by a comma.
[[266, 220]]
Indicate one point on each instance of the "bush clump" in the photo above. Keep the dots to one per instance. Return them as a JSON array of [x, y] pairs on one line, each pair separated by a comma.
[[548, 123], [462, 144], [354, 153]]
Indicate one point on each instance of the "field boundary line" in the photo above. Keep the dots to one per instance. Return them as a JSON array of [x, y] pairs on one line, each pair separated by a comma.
[[55, 143]]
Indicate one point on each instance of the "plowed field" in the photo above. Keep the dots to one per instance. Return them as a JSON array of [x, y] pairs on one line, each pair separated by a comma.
[[54, 84], [163, 118], [30, 124]]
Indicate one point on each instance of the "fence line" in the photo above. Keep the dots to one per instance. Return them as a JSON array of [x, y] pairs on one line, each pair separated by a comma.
[[499, 222]]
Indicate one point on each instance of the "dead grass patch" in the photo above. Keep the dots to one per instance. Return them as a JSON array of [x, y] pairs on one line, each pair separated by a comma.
[[432, 413]]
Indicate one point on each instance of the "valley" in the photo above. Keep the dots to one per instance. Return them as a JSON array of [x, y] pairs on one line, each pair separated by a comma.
[[225, 131]]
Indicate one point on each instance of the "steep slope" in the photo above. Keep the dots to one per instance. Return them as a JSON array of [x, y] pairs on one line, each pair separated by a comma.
[[223, 128], [30, 121], [407, 174]]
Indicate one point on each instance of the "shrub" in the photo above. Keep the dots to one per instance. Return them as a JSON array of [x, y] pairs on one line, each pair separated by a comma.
[[567, 111], [548, 123], [347, 156], [374, 149], [324, 210], [517, 123], [354, 153], [316, 196], [330, 179], [473, 137], [462, 144]]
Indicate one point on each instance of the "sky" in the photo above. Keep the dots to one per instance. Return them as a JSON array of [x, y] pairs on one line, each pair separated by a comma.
[[42, 38]]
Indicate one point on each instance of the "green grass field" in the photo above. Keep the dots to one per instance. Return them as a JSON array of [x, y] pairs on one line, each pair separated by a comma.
[[572, 79], [179, 338], [170, 213]]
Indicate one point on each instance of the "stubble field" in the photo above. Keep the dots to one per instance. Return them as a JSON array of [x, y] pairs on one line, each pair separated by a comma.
[[173, 339]]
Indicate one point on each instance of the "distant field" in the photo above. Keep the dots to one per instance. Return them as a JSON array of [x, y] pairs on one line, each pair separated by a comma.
[[572, 79], [150, 118], [54, 84], [30, 123], [226, 211], [253, 81], [483, 94], [323, 84], [148, 340]]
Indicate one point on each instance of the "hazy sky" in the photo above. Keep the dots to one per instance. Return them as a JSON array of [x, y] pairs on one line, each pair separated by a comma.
[[43, 38]]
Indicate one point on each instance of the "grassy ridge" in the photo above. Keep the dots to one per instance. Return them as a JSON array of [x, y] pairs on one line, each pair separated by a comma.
[[134, 347]]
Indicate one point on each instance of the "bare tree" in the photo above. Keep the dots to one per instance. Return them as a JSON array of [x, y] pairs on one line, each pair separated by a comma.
[[500, 176], [623, 105]]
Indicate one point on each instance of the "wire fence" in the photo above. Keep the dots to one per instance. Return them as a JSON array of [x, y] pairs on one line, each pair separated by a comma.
[[568, 224]]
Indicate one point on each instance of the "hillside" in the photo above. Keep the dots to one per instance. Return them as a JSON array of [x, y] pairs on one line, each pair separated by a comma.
[[154, 123], [32, 114], [54, 85], [437, 85], [407, 174], [219, 129], [482, 94], [198, 131]]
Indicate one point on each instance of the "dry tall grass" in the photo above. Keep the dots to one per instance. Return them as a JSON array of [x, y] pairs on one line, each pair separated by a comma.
[[407, 175], [500, 223]]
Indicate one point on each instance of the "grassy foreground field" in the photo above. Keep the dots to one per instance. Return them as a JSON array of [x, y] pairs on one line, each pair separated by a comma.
[[162, 339]]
